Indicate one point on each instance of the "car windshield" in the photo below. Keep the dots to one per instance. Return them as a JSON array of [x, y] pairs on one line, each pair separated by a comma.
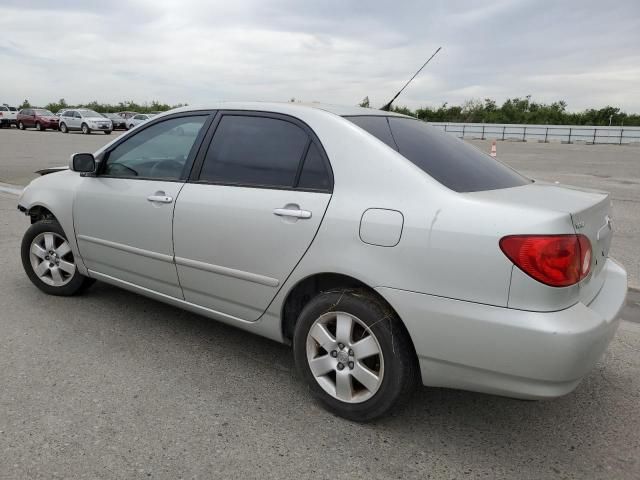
[[452, 162], [42, 111], [89, 113]]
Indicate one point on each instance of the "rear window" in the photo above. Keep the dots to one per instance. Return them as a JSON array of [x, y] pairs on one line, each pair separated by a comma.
[[452, 162]]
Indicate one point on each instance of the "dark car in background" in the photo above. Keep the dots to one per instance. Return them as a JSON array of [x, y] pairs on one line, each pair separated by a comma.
[[118, 121], [39, 118]]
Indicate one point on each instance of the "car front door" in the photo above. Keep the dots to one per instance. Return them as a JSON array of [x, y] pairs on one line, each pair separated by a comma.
[[70, 119], [29, 119], [252, 209], [123, 216]]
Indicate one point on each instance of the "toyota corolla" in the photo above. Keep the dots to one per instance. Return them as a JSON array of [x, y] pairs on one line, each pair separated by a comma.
[[387, 253]]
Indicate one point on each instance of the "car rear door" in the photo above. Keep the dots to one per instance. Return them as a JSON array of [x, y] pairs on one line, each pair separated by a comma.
[[123, 216], [256, 200]]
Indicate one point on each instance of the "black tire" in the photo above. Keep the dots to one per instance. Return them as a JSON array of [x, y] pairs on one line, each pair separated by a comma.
[[20, 125], [85, 129], [63, 128], [78, 281], [401, 371], [39, 127], [107, 132]]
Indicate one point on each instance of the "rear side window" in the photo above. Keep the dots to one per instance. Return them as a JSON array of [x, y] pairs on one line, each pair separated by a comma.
[[254, 151], [314, 174], [4, 109], [452, 162]]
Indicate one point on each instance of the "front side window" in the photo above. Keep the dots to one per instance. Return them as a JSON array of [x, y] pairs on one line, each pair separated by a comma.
[[254, 151], [89, 113], [452, 162], [160, 151]]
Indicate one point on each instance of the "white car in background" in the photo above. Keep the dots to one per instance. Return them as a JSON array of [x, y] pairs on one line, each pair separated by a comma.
[[138, 119], [7, 115], [84, 120]]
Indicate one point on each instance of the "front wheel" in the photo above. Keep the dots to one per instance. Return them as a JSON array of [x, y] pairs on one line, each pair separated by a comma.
[[63, 128], [354, 354], [48, 260], [21, 125], [85, 129], [107, 132], [39, 127]]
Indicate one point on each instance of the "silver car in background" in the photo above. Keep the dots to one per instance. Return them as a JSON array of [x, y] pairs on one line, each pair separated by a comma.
[[84, 120], [387, 253], [137, 119]]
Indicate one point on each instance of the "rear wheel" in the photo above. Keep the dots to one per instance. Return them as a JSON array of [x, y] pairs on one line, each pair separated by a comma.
[[107, 132], [85, 129], [63, 128], [354, 354], [48, 260]]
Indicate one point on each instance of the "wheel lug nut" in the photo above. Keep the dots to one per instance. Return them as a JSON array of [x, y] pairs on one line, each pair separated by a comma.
[[334, 354], [340, 346], [351, 365], [340, 366], [350, 352]]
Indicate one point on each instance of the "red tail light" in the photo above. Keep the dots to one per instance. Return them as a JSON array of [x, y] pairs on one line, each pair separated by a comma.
[[555, 260]]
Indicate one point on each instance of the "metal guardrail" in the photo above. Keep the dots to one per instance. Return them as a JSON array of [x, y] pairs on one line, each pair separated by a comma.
[[543, 133]]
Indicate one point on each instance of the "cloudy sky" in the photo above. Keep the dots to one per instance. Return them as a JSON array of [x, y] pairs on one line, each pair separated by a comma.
[[585, 52]]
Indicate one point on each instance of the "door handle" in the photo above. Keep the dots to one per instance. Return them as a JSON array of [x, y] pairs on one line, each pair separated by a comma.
[[288, 212], [160, 198]]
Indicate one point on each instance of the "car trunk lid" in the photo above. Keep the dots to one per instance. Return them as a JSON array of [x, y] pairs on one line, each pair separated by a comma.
[[590, 213]]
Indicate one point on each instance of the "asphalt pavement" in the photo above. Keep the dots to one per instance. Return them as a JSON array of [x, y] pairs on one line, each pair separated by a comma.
[[114, 385]]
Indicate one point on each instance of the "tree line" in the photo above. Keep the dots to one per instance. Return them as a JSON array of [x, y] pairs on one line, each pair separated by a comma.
[[513, 110], [520, 110], [127, 106]]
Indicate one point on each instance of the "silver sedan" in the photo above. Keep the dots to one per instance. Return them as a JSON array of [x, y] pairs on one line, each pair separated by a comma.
[[387, 253]]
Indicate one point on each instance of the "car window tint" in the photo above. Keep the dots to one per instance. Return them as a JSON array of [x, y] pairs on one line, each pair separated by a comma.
[[376, 126], [452, 162], [159, 151], [4, 109], [254, 151], [314, 173]]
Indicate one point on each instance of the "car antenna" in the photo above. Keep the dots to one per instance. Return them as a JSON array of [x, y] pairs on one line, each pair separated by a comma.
[[387, 107]]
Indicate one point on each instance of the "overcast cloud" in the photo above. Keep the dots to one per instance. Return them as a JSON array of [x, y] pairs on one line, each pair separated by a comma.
[[587, 53]]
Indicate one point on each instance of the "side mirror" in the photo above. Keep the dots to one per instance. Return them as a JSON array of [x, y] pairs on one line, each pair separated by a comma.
[[83, 163]]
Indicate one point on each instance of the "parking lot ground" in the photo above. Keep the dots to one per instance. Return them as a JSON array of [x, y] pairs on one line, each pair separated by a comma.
[[114, 385]]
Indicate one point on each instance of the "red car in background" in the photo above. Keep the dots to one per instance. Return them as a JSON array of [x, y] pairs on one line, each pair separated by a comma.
[[39, 118]]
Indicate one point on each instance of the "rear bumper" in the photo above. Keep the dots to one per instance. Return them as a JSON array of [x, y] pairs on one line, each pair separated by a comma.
[[510, 352]]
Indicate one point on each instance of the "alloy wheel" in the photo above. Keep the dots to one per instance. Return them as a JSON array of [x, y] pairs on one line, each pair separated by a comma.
[[51, 259], [345, 357]]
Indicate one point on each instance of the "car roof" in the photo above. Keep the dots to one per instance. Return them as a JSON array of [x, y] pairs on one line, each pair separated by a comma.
[[340, 110]]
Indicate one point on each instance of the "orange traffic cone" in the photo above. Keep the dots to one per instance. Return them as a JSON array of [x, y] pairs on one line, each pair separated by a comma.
[[494, 154]]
